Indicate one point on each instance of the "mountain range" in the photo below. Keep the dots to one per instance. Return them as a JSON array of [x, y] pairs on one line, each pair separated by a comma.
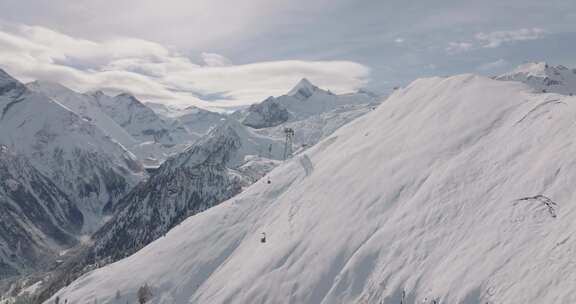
[[453, 190], [544, 77], [76, 190], [441, 193]]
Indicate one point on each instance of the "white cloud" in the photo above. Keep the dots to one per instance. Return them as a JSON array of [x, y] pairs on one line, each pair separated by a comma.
[[194, 24], [497, 38], [493, 65], [459, 47], [215, 60], [158, 73]]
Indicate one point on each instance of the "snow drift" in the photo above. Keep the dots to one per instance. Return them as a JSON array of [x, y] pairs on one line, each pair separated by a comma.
[[458, 190]]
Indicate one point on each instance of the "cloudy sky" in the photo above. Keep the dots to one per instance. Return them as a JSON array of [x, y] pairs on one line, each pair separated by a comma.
[[222, 53]]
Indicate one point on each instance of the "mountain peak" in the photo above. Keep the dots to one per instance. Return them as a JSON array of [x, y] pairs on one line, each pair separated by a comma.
[[303, 89], [305, 82], [96, 93], [5, 78], [10, 84], [130, 99], [544, 77], [538, 69]]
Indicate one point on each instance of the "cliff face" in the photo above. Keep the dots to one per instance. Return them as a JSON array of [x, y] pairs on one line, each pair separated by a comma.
[[212, 170], [78, 157], [37, 219]]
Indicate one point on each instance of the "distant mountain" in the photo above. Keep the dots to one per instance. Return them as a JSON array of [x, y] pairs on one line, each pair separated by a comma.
[[268, 113], [138, 119], [125, 119], [199, 121], [37, 219], [163, 110], [212, 170], [157, 138], [86, 107], [71, 151], [544, 77], [227, 157], [303, 101], [311, 130]]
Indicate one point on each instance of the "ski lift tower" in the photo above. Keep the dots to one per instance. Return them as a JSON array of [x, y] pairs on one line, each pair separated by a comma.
[[289, 133]]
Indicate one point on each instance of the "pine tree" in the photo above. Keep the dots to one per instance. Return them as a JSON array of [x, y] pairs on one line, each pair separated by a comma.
[[144, 294]]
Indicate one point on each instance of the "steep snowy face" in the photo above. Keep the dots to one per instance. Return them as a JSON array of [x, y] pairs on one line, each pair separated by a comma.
[[214, 169], [139, 120], [77, 156], [37, 219], [10, 88], [305, 89], [544, 77], [455, 190], [123, 118], [303, 101], [163, 110], [199, 121], [266, 114], [86, 107]]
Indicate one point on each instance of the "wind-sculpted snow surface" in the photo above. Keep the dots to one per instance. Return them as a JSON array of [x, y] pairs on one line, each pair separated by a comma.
[[434, 196]]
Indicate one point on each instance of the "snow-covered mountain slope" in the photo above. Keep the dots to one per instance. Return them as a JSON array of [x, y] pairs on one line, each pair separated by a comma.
[[93, 169], [438, 194], [268, 113], [303, 101], [212, 170], [139, 120], [86, 107], [544, 77], [199, 121], [37, 219], [165, 111], [309, 131], [124, 119]]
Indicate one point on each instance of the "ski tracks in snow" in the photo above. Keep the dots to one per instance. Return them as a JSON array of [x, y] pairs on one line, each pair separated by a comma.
[[308, 167], [306, 164]]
